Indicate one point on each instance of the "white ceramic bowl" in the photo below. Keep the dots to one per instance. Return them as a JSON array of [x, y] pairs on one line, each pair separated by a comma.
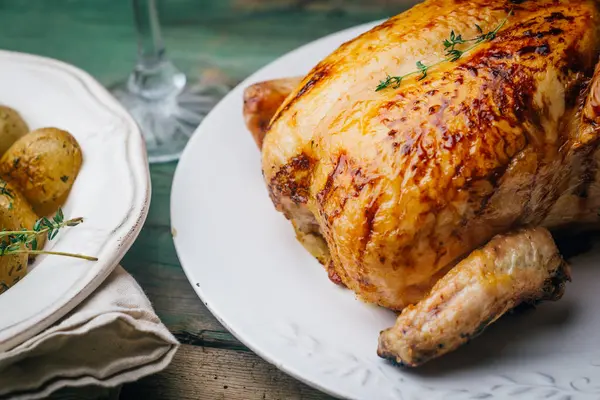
[[112, 191]]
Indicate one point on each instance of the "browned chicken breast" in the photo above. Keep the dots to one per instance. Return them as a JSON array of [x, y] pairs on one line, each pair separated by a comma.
[[417, 142]]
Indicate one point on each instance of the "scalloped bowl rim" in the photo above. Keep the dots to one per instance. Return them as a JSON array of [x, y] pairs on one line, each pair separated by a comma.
[[116, 241]]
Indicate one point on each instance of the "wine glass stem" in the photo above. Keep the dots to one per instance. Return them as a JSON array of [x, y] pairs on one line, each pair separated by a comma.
[[151, 48], [154, 76]]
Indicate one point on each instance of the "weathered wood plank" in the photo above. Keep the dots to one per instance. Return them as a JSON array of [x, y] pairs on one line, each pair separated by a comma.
[[154, 264], [208, 338], [86, 393], [237, 36], [173, 298], [205, 373]]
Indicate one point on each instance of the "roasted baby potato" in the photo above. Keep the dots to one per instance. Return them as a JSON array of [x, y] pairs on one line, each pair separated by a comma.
[[12, 127], [43, 165], [16, 206], [16, 209], [13, 267]]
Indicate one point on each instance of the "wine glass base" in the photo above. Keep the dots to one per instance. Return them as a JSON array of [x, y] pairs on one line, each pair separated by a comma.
[[168, 123]]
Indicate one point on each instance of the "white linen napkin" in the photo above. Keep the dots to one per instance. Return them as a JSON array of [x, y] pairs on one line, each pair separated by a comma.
[[113, 337]]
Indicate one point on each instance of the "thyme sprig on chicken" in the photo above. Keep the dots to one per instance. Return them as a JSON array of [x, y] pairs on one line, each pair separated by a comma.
[[451, 52], [26, 241], [6, 191]]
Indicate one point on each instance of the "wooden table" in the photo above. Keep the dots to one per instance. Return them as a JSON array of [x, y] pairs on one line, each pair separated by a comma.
[[234, 37]]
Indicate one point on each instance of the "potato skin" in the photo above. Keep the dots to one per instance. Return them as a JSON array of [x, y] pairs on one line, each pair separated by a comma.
[[18, 210], [43, 164], [13, 267], [12, 127], [16, 207]]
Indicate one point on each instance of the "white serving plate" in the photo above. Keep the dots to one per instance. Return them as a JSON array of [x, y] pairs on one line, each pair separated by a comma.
[[243, 260], [112, 191]]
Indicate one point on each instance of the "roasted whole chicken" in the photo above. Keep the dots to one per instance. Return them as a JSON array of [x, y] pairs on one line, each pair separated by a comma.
[[426, 162]]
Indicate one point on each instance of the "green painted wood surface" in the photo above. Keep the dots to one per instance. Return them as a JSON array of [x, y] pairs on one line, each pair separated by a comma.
[[236, 37]]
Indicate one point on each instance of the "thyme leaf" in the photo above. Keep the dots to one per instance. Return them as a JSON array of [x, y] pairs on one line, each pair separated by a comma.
[[26, 241], [451, 52]]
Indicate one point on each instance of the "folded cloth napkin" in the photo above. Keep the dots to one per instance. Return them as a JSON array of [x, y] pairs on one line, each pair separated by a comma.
[[113, 337]]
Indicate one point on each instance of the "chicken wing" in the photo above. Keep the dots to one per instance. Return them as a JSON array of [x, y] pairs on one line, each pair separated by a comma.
[[261, 101], [511, 269]]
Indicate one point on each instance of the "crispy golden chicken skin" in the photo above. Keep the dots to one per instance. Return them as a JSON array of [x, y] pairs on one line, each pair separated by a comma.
[[404, 181], [397, 185], [509, 270]]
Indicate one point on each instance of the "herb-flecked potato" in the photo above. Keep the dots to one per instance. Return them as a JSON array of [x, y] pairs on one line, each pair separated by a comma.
[[16, 209], [13, 267], [43, 164], [12, 127]]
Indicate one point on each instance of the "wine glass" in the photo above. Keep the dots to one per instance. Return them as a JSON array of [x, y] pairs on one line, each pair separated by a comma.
[[164, 102]]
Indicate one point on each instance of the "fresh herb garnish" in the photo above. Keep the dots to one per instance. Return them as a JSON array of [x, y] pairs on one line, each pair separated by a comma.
[[452, 54], [6, 191], [394, 81], [422, 69], [26, 241], [454, 40]]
